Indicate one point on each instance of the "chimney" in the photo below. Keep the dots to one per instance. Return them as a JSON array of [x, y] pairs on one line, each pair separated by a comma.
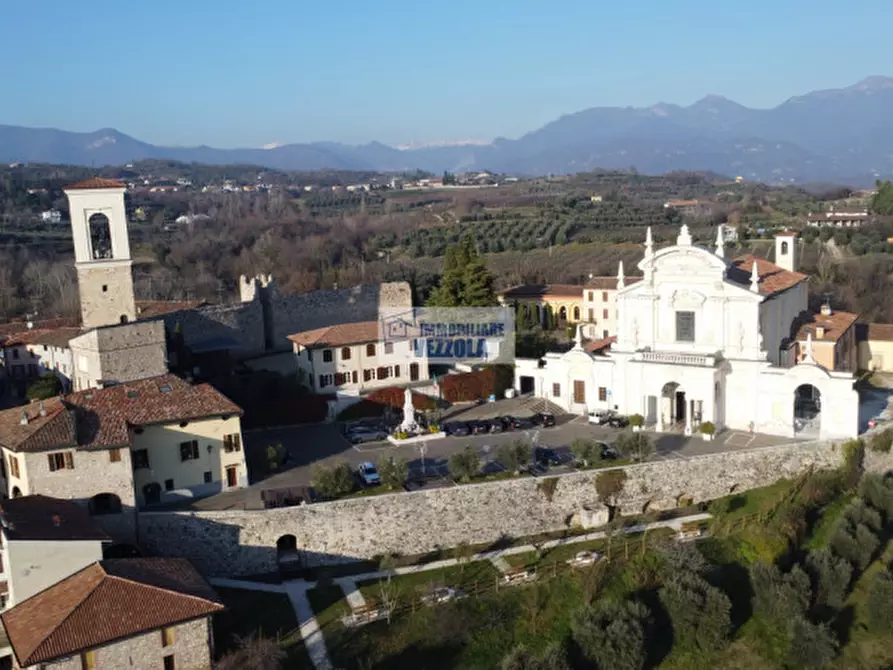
[[819, 332], [826, 309], [43, 410], [24, 419]]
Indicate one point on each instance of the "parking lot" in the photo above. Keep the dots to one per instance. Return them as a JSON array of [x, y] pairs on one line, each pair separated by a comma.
[[326, 444]]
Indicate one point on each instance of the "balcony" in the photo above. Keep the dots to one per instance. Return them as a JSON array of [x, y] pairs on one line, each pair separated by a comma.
[[698, 360]]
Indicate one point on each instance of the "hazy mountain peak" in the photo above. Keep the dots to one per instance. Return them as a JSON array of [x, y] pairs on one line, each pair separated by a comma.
[[873, 83]]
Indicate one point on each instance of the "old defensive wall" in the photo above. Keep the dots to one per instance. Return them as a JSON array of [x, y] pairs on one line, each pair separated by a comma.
[[229, 543]]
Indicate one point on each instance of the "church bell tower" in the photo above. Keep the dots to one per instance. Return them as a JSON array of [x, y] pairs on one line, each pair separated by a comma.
[[101, 252]]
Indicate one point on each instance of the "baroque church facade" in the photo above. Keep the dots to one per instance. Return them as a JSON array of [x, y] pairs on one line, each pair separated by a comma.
[[702, 338]]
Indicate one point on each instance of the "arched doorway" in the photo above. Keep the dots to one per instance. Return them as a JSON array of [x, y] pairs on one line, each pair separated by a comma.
[[152, 493], [288, 559], [807, 410], [576, 314], [562, 315], [16, 492], [673, 405], [100, 237], [104, 503]]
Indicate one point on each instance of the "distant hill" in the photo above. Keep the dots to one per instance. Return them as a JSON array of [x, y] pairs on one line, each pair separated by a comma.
[[840, 135]]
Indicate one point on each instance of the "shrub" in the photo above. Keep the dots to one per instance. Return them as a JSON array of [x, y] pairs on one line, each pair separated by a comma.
[[584, 451], [811, 645], [43, 388], [513, 456], [612, 635], [636, 420], [881, 442], [855, 544], [253, 652], [877, 491], [275, 455], [635, 445], [393, 472], [465, 464], [609, 486], [880, 603], [707, 428], [831, 576], [779, 596], [553, 658], [853, 458], [858, 512], [332, 482], [699, 612]]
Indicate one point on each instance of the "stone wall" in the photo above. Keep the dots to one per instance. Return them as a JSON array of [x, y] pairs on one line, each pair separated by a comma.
[[191, 650], [244, 542], [106, 293], [238, 327]]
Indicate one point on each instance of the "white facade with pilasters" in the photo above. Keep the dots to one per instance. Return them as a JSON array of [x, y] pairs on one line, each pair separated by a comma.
[[699, 340]]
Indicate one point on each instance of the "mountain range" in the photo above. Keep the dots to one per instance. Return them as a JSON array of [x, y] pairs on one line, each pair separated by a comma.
[[842, 135]]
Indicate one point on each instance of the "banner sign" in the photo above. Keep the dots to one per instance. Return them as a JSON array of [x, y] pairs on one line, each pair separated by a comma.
[[471, 335]]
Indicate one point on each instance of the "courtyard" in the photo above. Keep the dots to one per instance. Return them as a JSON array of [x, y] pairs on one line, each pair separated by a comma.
[[325, 444]]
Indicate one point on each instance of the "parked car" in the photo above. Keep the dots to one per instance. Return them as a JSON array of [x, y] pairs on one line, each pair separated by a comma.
[[544, 419], [519, 423], [479, 427], [504, 421], [360, 435], [618, 421], [497, 425], [545, 457], [607, 452], [456, 428], [602, 416], [368, 474]]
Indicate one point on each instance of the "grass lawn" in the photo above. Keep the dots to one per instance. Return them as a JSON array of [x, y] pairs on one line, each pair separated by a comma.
[[821, 531], [471, 577], [266, 614]]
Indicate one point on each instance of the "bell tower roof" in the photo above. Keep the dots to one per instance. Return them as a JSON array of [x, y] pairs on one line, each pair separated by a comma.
[[95, 183]]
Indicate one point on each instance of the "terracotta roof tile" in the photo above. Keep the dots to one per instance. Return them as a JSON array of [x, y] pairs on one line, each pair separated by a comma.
[[54, 337], [339, 335], [39, 433], [879, 331], [95, 183], [540, 290], [40, 517], [105, 415], [105, 602], [147, 309], [102, 418], [600, 345], [773, 279], [834, 324], [15, 327]]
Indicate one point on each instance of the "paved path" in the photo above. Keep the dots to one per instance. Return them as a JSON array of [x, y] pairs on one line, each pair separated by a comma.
[[354, 598], [296, 590], [500, 564]]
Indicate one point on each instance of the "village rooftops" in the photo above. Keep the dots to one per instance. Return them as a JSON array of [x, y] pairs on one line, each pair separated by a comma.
[[107, 601], [543, 290], [53, 337], [879, 332], [340, 335], [95, 183], [773, 279], [103, 418], [38, 517], [600, 346], [827, 327]]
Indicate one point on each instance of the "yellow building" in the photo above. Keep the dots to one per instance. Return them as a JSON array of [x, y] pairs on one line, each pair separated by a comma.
[[127, 446], [833, 338], [876, 347], [566, 300]]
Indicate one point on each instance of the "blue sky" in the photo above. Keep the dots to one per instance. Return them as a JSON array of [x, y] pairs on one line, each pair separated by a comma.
[[228, 74]]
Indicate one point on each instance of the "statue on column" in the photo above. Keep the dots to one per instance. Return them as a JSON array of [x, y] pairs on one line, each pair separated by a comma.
[[409, 424]]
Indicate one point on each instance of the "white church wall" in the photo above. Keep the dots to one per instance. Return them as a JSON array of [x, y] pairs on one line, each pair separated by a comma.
[[776, 315]]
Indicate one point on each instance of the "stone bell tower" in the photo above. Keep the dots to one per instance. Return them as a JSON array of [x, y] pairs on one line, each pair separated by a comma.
[[101, 252]]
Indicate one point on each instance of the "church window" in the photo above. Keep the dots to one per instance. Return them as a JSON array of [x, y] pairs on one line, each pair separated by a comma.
[[604, 296], [556, 390], [685, 326], [576, 313]]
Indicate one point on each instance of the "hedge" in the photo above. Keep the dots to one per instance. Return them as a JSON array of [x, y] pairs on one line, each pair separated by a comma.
[[480, 384]]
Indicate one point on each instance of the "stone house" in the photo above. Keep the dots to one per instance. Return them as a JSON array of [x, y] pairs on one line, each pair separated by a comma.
[[139, 613], [131, 445], [833, 338], [352, 358], [39, 351], [43, 540]]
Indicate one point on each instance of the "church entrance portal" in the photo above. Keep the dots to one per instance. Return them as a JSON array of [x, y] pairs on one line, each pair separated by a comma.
[[807, 410], [673, 406]]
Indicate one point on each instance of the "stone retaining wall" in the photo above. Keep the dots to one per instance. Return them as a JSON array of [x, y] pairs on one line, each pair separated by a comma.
[[229, 543]]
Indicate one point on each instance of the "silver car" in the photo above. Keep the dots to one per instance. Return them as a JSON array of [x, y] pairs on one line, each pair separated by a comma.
[[366, 435]]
